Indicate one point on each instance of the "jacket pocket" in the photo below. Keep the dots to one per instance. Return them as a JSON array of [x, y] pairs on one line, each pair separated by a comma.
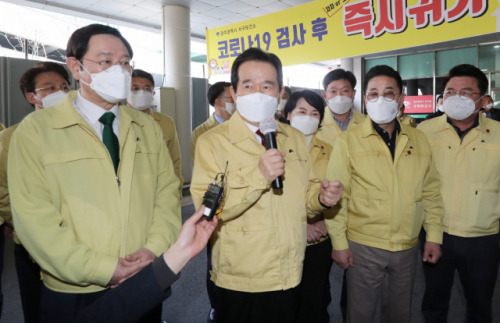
[[485, 207], [66, 157], [249, 251]]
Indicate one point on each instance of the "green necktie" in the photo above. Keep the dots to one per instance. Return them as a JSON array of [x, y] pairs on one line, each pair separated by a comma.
[[109, 138]]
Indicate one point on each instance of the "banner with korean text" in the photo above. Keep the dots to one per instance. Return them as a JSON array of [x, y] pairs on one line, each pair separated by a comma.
[[331, 29]]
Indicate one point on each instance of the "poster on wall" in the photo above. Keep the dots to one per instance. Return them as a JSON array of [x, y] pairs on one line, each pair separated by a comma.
[[419, 104], [328, 29]]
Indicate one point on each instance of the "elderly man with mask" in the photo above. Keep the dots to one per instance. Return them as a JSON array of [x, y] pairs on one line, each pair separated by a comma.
[[258, 248], [93, 190], [391, 189], [466, 147]]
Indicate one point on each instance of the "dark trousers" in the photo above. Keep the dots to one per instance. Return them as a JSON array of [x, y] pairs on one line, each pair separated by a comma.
[[242, 307], [28, 275], [58, 307], [476, 260], [315, 285], [209, 282]]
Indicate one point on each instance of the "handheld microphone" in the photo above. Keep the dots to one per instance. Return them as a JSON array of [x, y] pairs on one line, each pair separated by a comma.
[[268, 128]]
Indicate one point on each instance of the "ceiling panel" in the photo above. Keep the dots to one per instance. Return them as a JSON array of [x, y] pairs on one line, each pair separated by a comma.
[[238, 7], [146, 14]]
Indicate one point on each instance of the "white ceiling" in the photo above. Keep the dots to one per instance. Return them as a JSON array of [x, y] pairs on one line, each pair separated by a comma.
[[147, 14]]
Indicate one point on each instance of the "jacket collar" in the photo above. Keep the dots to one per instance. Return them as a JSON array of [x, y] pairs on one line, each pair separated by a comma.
[[368, 130], [443, 125], [66, 115], [357, 117]]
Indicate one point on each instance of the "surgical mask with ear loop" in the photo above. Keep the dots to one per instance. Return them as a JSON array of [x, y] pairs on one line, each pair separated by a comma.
[[257, 106], [230, 107], [459, 107], [140, 100], [52, 99], [382, 111], [281, 105], [112, 84], [340, 104]]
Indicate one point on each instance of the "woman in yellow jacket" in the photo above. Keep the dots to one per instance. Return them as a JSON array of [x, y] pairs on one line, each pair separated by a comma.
[[305, 110]]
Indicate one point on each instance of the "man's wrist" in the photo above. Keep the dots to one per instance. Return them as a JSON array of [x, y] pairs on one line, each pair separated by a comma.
[[323, 205]]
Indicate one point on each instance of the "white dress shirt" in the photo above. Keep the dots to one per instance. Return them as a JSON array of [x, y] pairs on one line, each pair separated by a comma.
[[91, 113]]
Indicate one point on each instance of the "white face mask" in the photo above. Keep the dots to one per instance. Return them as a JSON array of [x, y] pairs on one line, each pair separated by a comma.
[[340, 104], [52, 99], [257, 106], [140, 100], [112, 84], [306, 124], [440, 108], [489, 106], [281, 105], [382, 111], [459, 108], [230, 107]]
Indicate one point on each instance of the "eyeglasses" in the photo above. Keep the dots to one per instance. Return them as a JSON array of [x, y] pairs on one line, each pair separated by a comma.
[[388, 96], [53, 88], [462, 94], [107, 63]]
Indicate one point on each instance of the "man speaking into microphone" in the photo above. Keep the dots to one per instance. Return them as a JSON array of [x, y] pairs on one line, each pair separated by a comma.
[[258, 247]]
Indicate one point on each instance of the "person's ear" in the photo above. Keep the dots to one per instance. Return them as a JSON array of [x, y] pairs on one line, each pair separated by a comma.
[[74, 67], [30, 96]]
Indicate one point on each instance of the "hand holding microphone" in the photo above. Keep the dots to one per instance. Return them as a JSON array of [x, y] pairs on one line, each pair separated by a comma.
[[271, 163]]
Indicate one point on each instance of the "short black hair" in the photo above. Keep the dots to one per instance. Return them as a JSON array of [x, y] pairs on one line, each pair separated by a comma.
[[27, 80], [288, 90], [256, 54], [339, 74], [472, 71], [439, 97], [143, 74], [215, 91], [383, 70], [78, 43], [311, 97]]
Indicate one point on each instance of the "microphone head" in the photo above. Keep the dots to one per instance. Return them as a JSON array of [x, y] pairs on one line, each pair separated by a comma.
[[268, 125]]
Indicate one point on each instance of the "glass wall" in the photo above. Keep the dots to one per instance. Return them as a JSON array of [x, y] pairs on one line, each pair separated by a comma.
[[446, 59], [424, 74]]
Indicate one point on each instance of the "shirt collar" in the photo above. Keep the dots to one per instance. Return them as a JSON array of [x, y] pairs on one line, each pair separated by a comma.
[[252, 128], [92, 112], [351, 115], [218, 119], [380, 131]]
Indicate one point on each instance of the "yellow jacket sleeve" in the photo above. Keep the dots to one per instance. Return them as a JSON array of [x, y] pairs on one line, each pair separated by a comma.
[[5, 212], [166, 214], [433, 205], [338, 169]]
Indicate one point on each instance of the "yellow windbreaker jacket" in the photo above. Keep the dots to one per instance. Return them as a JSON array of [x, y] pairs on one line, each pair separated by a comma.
[[320, 153], [201, 129], [385, 202], [260, 242], [167, 126], [469, 173], [73, 214], [5, 137]]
